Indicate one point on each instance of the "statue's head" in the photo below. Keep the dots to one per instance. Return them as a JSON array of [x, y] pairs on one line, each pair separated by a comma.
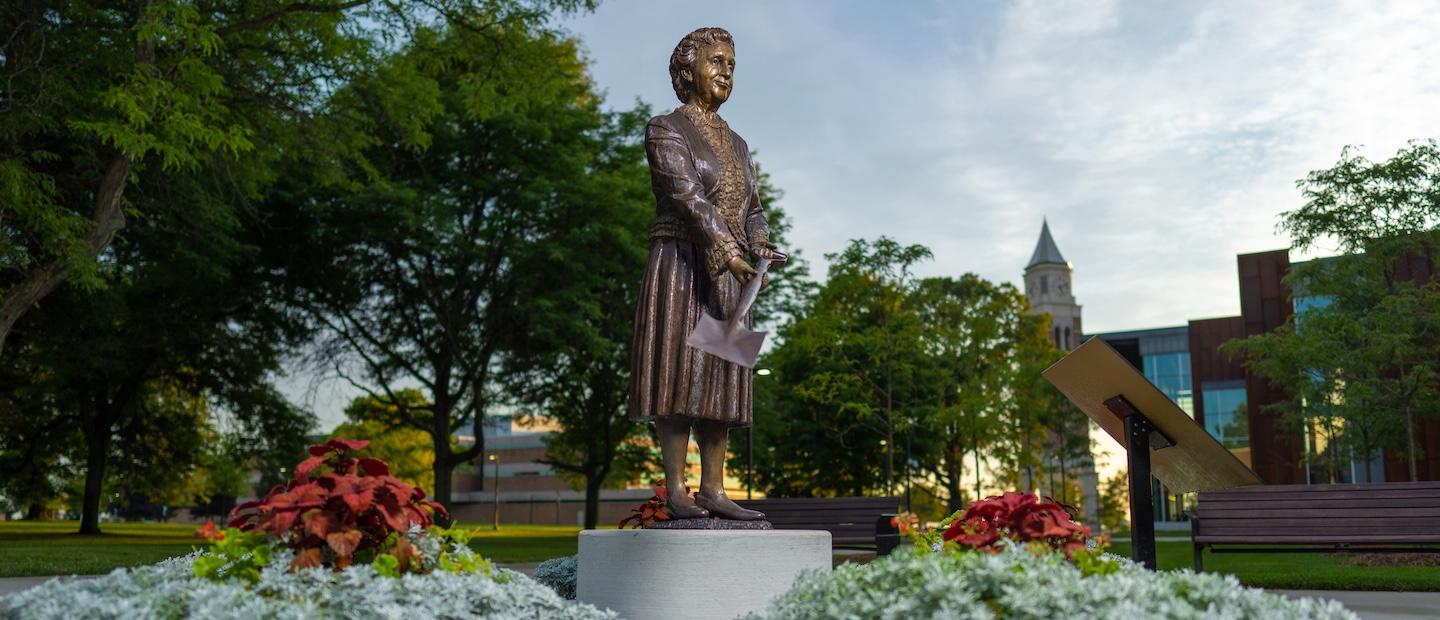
[[702, 67]]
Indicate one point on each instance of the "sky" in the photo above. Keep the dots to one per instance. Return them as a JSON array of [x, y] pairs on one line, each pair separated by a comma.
[[1160, 139]]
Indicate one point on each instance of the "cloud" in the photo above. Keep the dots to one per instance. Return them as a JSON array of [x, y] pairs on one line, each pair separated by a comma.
[[1160, 138]]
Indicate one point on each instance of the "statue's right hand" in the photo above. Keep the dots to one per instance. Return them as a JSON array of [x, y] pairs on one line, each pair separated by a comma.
[[740, 269]]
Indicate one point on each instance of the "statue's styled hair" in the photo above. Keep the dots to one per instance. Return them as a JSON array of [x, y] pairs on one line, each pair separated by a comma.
[[684, 56]]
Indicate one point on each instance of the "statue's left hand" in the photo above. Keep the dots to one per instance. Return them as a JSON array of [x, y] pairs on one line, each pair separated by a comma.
[[769, 251]]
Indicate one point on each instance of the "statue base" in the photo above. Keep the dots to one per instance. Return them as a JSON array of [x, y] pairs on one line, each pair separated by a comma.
[[709, 523], [696, 574]]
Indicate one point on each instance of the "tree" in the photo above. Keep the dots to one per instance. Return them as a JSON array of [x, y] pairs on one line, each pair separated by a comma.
[[847, 378], [425, 257], [1114, 502], [407, 450], [102, 95], [1358, 359], [974, 330], [568, 359]]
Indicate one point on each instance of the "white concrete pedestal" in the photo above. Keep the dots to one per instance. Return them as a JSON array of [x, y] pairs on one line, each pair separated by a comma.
[[694, 574]]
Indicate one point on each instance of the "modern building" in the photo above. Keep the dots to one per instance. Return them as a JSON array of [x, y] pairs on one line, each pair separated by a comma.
[[1186, 363], [531, 492]]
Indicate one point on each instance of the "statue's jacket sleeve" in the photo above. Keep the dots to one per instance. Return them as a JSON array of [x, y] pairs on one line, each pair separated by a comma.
[[757, 229], [681, 192]]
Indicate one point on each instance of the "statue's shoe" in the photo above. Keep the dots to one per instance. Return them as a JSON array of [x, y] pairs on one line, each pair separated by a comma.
[[721, 506], [685, 511]]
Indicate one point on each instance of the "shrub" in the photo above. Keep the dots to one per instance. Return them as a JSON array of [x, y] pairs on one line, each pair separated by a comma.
[[1013, 582], [651, 511], [1018, 517], [560, 574], [170, 590], [329, 518]]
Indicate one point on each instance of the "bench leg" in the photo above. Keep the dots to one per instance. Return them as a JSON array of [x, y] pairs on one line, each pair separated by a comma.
[[1199, 557]]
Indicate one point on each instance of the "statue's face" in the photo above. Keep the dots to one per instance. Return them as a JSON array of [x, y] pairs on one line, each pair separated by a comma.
[[713, 75]]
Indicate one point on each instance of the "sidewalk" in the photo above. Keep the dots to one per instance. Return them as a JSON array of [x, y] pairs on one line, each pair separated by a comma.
[[1378, 605]]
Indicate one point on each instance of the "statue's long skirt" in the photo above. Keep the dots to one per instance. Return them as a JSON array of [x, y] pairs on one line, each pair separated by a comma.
[[667, 376]]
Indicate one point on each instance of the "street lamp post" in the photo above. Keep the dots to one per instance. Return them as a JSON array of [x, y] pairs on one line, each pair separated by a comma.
[[750, 448], [496, 489]]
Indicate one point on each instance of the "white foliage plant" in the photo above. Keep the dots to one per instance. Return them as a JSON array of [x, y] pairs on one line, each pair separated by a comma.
[[1016, 583], [170, 589]]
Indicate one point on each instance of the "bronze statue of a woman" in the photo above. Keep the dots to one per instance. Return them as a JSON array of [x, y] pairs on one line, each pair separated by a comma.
[[707, 218]]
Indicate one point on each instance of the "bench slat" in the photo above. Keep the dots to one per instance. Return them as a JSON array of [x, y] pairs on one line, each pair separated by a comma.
[[1363, 486], [1416, 502], [1229, 496], [1317, 540], [1207, 513]]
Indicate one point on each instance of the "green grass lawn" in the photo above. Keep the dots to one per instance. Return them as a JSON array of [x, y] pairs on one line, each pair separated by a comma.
[[524, 543], [1295, 571], [53, 547]]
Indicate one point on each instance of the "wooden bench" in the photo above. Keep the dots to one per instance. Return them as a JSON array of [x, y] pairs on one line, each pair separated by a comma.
[[851, 521], [1385, 517]]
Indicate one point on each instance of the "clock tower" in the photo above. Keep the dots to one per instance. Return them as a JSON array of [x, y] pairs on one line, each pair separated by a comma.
[[1048, 287]]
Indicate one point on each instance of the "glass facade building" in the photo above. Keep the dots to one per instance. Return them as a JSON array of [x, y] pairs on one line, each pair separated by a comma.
[[1171, 373], [1225, 413]]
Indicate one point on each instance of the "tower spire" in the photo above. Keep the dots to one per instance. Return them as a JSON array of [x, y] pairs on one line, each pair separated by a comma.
[[1045, 249]]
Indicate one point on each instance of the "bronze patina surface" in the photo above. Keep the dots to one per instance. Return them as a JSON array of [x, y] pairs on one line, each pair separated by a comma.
[[708, 218]]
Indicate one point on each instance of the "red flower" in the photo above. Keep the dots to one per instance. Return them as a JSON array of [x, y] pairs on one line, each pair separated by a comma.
[[327, 518], [210, 532], [651, 511], [974, 532], [1022, 517]]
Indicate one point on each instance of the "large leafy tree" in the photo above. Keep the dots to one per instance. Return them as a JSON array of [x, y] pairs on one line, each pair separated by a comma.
[[418, 269], [848, 378], [568, 360], [978, 337], [1358, 358], [185, 323], [102, 95]]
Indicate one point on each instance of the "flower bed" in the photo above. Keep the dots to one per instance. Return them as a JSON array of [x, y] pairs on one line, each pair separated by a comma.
[[171, 589], [1015, 582], [343, 539]]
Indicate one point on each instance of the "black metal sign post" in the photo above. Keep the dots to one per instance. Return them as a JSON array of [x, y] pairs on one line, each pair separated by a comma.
[[1139, 432]]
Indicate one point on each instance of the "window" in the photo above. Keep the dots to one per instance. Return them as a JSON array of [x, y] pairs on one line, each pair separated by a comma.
[[1044, 285], [1171, 373], [1225, 413]]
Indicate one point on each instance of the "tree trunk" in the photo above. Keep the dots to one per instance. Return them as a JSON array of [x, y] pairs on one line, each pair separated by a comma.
[[34, 511], [954, 477], [97, 440], [1410, 442], [593, 481], [442, 472], [977, 470], [890, 459], [107, 220]]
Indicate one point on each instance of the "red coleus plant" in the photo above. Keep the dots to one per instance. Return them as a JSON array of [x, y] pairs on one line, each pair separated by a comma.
[[651, 511], [328, 517], [1021, 517]]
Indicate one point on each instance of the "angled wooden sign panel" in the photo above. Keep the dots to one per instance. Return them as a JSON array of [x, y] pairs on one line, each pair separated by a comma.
[[1182, 455]]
